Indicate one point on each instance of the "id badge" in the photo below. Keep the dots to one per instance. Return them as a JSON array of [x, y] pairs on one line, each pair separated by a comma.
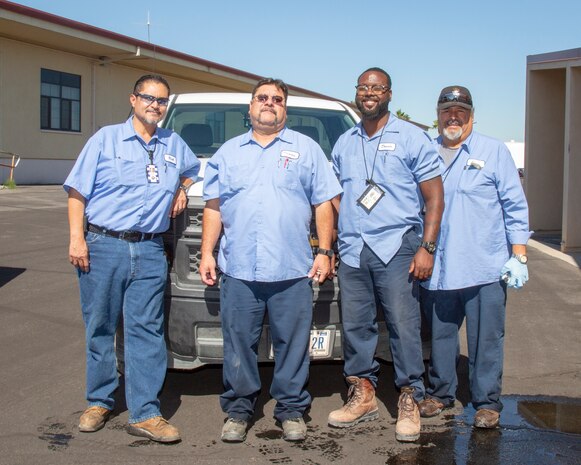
[[152, 174], [370, 197]]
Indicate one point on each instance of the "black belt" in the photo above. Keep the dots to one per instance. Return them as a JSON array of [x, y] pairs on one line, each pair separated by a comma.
[[129, 236]]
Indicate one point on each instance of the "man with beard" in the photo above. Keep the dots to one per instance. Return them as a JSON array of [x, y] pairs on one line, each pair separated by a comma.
[[482, 249], [260, 187], [388, 168], [128, 180]]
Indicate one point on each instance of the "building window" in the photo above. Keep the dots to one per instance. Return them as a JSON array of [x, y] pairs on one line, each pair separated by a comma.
[[60, 101]]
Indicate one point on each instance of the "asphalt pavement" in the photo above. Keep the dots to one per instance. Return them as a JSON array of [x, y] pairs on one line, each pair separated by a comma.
[[42, 376]]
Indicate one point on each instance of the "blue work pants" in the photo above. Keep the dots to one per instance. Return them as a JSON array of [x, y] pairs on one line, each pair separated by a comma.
[[484, 309], [290, 312], [391, 287]]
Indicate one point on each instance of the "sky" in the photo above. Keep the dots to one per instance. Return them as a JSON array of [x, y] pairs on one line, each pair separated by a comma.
[[323, 45]]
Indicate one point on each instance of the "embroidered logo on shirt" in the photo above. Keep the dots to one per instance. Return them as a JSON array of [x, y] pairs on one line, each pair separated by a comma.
[[170, 158], [386, 146]]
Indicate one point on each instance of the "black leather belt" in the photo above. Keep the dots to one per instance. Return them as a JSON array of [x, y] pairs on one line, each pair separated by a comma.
[[129, 236]]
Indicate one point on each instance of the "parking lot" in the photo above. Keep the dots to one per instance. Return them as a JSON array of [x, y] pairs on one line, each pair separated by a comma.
[[42, 381]]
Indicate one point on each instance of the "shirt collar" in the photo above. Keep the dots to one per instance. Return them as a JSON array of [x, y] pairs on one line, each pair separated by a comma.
[[283, 136], [391, 121], [128, 132], [465, 145]]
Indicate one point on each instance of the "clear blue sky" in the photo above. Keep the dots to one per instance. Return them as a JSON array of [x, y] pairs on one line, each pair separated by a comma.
[[323, 45]]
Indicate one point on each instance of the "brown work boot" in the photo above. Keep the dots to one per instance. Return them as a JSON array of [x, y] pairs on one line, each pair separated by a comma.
[[361, 404], [430, 407], [156, 428], [407, 428], [93, 419], [486, 418]]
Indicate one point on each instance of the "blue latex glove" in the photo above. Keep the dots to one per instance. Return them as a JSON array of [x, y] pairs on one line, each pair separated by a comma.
[[517, 273]]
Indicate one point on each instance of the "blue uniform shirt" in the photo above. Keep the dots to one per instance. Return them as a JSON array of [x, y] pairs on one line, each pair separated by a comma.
[[265, 204], [485, 212], [110, 173], [405, 157]]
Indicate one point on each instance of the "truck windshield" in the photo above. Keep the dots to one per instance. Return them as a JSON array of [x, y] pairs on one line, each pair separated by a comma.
[[205, 127]]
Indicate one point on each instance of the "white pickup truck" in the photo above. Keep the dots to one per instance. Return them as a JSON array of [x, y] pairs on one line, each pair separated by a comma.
[[192, 310]]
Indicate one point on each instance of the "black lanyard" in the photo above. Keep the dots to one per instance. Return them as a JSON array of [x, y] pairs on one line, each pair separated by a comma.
[[150, 152], [369, 179]]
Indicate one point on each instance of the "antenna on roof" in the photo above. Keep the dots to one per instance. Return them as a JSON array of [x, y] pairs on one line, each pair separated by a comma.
[[148, 24]]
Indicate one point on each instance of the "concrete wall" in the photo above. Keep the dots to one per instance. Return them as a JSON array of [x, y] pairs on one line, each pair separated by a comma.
[[553, 145]]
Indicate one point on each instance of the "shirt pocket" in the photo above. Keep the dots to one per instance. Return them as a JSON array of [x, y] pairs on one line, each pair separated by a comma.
[[288, 177], [170, 177], [477, 183], [130, 172], [237, 178]]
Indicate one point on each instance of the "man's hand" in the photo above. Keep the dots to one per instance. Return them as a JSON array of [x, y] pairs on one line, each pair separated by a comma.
[[79, 254], [320, 269], [207, 270], [179, 204], [517, 273], [422, 264]]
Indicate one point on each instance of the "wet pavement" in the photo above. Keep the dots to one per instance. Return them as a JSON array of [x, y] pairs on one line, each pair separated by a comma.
[[42, 382]]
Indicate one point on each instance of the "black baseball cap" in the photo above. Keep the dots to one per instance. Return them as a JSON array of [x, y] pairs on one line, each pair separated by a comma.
[[452, 96]]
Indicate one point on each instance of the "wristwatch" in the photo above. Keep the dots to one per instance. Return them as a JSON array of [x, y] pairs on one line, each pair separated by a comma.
[[430, 246], [327, 252], [184, 188], [521, 258]]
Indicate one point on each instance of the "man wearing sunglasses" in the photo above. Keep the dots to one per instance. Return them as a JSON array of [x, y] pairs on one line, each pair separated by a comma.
[[388, 169], [260, 188], [481, 251], [128, 181]]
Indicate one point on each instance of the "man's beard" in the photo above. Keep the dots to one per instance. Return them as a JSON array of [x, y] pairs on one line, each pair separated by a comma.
[[378, 112], [453, 134]]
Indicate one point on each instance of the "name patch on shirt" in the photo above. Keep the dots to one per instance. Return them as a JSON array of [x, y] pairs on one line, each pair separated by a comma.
[[474, 163], [386, 147], [290, 154], [170, 158]]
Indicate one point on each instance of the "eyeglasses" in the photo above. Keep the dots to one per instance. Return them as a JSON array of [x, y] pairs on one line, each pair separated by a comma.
[[161, 101], [263, 98], [376, 88], [455, 96]]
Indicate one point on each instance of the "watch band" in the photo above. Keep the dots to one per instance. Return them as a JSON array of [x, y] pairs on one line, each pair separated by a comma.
[[522, 258], [430, 246], [327, 252], [184, 188]]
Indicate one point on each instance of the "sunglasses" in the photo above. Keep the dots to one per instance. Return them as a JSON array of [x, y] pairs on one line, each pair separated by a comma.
[[263, 98], [161, 101], [455, 96]]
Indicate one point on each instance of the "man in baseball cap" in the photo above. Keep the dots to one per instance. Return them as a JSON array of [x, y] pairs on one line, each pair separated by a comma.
[[481, 251]]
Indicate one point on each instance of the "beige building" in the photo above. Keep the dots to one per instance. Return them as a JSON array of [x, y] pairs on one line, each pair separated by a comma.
[[61, 80], [553, 145]]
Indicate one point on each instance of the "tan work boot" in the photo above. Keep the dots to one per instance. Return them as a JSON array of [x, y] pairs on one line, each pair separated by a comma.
[[361, 404], [157, 429], [486, 418], [93, 419], [407, 428]]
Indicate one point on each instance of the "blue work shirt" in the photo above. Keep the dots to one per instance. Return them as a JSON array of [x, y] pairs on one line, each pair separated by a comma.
[[266, 194], [405, 157], [110, 173], [486, 212]]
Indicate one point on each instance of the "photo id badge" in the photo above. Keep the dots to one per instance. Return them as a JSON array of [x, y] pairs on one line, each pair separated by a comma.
[[152, 174], [370, 197]]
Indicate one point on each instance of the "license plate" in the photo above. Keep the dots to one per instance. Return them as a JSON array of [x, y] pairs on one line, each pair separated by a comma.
[[320, 343]]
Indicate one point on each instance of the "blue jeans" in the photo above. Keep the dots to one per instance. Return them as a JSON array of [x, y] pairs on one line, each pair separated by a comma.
[[484, 309], [125, 278], [290, 313], [392, 288]]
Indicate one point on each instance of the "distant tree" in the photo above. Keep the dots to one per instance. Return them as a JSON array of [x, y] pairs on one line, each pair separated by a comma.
[[435, 125], [402, 115]]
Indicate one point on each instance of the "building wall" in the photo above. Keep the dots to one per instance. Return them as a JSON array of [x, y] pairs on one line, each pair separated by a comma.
[[553, 145], [47, 156]]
